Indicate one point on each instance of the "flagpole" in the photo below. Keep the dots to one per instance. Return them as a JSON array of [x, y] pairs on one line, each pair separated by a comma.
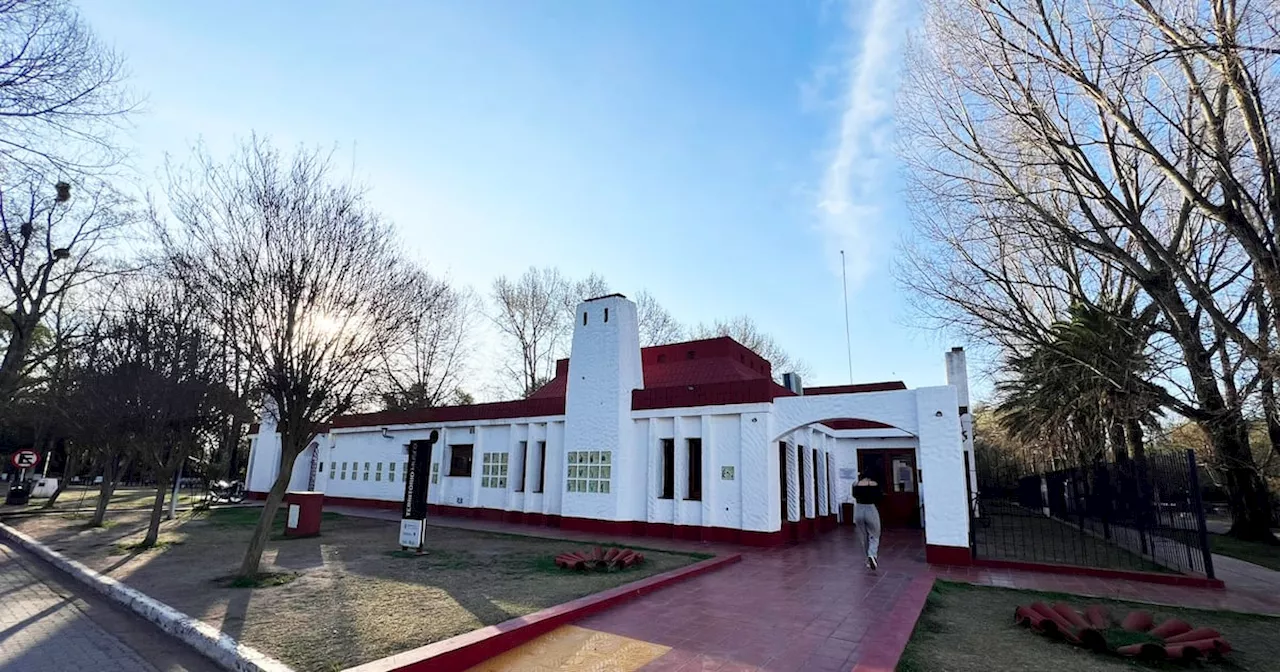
[[848, 342]]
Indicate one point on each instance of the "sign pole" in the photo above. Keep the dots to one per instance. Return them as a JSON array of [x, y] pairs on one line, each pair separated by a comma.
[[417, 481]]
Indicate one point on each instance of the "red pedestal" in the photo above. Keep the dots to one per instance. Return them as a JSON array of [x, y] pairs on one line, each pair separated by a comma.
[[302, 513]]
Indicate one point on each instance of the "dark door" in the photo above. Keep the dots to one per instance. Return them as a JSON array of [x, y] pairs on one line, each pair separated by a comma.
[[895, 471]]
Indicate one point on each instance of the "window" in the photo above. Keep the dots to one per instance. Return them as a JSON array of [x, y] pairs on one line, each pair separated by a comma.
[[377, 476], [366, 472], [782, 475], [695, 469], [800, 479], [333, 471], [817, 494], [524, 460], [460, 459], [344, 471], [435, 473], [584, 319], [493, 472], [589, 471], [668, 469], [404, 471], [606, 314], [391, 472], [542, 466], [320, 466]]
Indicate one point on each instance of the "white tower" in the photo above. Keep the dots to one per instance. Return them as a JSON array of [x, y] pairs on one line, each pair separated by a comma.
[[604, 367]]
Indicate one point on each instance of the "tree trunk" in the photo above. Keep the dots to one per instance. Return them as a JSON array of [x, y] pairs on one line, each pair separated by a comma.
[[157, 510], [1246, 493], [1134, 437], [253, 555], [1119, 447], [105, 491], [68, 472]]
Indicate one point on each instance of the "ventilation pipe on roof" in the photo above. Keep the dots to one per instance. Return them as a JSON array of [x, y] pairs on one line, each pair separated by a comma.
[[791, 381]]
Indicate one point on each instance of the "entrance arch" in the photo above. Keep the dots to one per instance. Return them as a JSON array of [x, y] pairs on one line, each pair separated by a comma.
[[932, 415], [896, 408]]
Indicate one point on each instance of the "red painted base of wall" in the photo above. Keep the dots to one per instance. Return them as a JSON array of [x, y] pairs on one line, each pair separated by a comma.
[[947, 555], [791, 531], [464, 651], [1130, 575], [257, 495]]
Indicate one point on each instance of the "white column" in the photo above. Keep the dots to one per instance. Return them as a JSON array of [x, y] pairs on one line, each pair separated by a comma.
[[793, 484], [946, 511]]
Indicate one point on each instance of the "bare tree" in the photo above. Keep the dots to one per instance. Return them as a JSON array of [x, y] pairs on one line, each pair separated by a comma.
[[1073, 131], [428, 369], [530, 314], [61, 91], [303, 277], [657, 326], [744, 330], [50, 243]]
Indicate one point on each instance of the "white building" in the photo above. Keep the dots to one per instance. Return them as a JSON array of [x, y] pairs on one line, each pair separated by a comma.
[[690, 440]]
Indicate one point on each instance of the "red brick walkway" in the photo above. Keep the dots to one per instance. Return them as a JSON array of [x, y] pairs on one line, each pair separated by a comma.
[[814, 606]]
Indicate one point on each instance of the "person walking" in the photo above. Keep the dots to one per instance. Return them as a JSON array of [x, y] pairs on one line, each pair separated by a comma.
[[867, 494]]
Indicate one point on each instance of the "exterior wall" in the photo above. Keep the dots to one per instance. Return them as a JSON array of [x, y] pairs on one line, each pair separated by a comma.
[[604, 368], [942, 474]]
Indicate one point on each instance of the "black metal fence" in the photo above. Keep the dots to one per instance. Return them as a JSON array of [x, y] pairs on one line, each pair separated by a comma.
[[1144, 515]]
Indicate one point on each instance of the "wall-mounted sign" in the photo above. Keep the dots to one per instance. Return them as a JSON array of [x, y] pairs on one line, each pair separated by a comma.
[[726, 473], [411, 533], [849, 474], [294, 511]]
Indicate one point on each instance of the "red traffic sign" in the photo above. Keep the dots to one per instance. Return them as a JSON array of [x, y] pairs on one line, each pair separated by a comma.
[[25, 458]]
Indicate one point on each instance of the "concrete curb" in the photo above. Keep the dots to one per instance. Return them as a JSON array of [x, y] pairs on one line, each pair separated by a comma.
[[204, 638]]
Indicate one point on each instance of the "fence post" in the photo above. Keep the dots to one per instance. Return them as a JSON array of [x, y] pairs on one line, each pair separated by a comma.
[[1198, 502]]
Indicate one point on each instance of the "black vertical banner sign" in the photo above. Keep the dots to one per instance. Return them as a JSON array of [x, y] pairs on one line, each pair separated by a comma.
[[418, 480]]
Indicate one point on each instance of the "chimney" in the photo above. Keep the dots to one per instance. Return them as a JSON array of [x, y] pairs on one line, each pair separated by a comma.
[[791, 381]]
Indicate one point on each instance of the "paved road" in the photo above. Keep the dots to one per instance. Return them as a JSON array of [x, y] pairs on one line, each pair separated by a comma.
[[50, 623]]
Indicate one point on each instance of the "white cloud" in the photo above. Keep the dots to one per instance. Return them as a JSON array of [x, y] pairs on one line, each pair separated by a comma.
[[855, 189]]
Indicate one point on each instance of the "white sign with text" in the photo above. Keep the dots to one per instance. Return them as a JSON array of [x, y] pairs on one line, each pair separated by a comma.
[[411, 533]]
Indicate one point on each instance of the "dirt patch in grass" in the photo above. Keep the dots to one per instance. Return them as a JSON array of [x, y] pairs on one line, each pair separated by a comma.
[[353, 596], [1266, 555], [968, 628]]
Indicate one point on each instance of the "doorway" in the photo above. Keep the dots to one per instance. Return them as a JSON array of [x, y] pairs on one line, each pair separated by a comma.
[[895, 470]]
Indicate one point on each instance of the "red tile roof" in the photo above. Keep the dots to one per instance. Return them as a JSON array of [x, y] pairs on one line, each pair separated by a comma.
[[707, 372]]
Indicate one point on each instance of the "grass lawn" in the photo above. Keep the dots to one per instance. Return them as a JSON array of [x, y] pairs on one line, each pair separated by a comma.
[[86, 497], [967, 628], [349, 595], [1266, 555]]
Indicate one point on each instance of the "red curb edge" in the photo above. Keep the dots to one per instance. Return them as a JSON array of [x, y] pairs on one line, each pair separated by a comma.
[[1131, 575], [475, 647], [886, 641]]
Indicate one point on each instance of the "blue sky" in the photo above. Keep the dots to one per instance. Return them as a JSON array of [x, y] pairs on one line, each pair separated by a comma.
[[718, 154]]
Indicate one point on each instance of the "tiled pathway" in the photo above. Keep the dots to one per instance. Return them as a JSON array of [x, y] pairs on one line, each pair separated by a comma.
[[47, 624], [814, 606]]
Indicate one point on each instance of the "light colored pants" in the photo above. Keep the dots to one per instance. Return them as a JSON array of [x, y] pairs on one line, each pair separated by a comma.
[[867, 518]]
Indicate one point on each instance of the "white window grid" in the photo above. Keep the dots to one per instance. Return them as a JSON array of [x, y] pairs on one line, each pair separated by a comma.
[[493, 472], [590, 471]]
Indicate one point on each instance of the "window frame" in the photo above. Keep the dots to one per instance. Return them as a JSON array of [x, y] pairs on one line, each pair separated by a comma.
[[524, 463], [455, 470], [694, 479], [667, 468]]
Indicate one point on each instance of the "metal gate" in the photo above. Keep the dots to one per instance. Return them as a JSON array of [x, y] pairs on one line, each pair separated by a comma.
[[1139, 514]]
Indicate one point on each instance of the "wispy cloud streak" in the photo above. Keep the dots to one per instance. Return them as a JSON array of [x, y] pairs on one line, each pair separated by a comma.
[[855, 187]]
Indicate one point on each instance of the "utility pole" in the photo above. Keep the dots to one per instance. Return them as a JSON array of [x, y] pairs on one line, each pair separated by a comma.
[[848, 341]]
